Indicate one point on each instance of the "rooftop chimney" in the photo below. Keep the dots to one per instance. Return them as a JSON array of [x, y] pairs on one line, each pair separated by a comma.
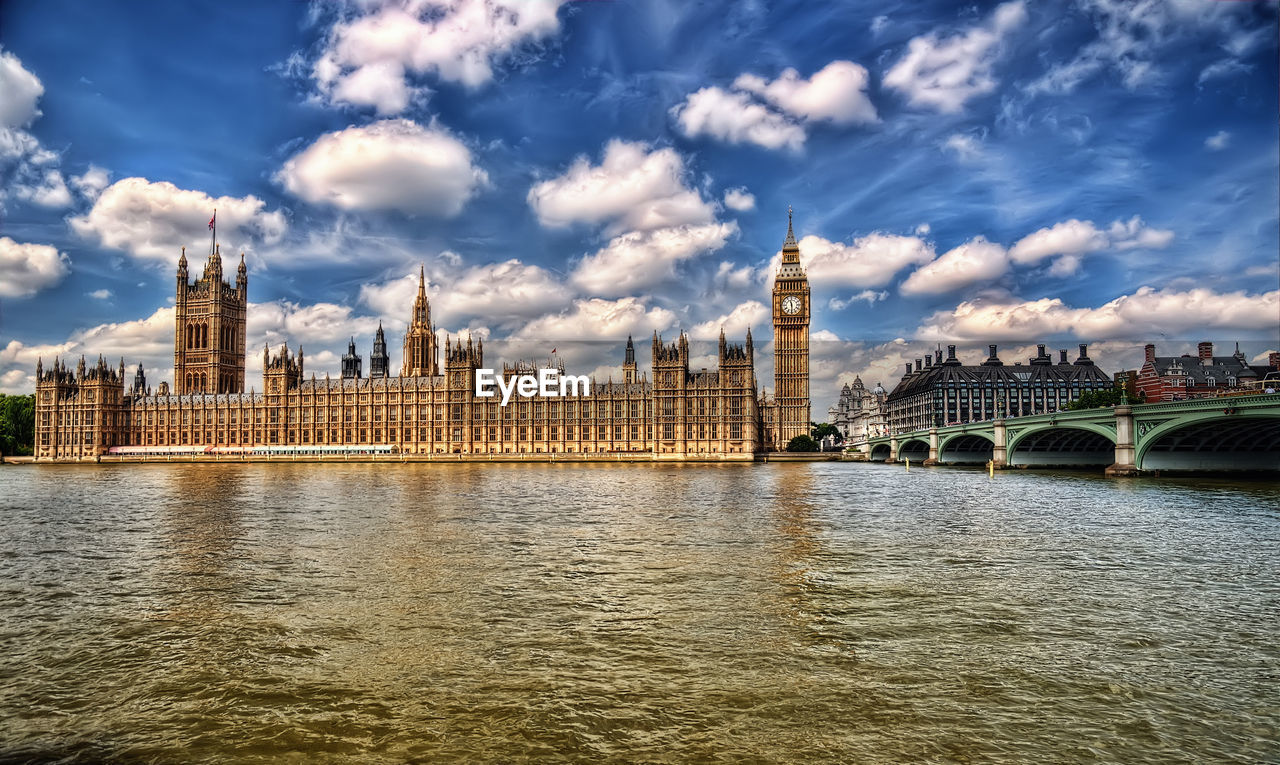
[[1150, 353], [1062, 356], [1084, 359], [1205, 352], [908, 368], [1041, 356], [951, 353], [918, 362], [928, 361], [992, 359]]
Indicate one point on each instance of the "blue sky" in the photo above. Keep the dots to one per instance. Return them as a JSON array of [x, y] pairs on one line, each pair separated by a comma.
[[1097, 171]]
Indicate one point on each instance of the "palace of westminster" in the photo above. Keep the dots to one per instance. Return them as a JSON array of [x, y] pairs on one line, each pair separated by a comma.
[[430, 408]]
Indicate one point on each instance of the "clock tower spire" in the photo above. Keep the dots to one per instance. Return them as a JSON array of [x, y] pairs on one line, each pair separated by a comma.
[[790, 343]]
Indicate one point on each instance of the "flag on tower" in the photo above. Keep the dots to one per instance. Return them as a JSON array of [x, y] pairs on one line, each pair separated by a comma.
[[211, 220]]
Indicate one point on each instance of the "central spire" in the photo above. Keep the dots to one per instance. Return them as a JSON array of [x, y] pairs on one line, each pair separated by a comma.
[[790, 243]]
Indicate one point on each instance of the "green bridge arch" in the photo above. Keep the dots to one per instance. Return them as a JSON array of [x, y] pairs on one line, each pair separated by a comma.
[[1149, 437]]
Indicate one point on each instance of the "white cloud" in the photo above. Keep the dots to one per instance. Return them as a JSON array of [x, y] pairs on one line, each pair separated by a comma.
[[1144, 314], [374, 52], [739, 199], [837, 93], [749, 315], [640, 259], [20, 91], [389, 165], [1133, 234], [25, 269], [1218, 141], [31, 171], [871, 297], [632, 189], [974, 261], [103, 294], [1072, 239], [943, 74], [92, 182], [773, 114], [1132, 35], [735, 118], [871, 261], [152, 220], [43, 186], [965, 147], [500, 293], [597, 319]]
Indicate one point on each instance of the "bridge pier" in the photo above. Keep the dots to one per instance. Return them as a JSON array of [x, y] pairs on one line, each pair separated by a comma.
[[1126, 451], [893, 450], [1000, 445], [933, 448]]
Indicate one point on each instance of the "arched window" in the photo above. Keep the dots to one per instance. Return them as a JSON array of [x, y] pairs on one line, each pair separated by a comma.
[[188, 387], [204, 335]]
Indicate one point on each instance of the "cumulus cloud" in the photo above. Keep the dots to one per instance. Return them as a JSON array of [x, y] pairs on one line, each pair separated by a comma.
[[749, 315], [1145, 313], [25, 269], [773, 114], [837, 93], [871, 261], [149, 340], [871, 297], [1070, 237], [153, 220], [633, 188], [1133, 234], [21, 91], [598, 319], [640, 259], [974, 261], [943, 74], [1218, 141], [1070, 240], [501, 293], [739, 199], [30, 171], [92, 182], [376, 53], [389, 165], [734, 117], [103, 294]]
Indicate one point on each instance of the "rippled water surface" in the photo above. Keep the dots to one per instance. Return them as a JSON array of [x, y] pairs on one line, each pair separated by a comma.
[[799, 613]]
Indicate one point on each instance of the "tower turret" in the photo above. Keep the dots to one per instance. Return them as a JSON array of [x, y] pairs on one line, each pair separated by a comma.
[[629, 362], [419, 338], [379, 362]]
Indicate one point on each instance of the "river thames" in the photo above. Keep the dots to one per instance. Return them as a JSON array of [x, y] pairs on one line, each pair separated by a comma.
[[787, 613]]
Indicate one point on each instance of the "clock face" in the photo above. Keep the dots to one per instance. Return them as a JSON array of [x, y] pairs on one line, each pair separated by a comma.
[[791, 305]]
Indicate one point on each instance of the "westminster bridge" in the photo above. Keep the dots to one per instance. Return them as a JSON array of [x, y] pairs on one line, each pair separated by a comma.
[[1210, 434]]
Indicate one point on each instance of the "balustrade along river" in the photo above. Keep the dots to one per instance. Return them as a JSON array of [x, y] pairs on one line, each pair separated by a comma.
[[819, 612]]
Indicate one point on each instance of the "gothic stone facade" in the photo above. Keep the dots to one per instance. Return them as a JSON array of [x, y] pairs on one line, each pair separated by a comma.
[[427, 409]]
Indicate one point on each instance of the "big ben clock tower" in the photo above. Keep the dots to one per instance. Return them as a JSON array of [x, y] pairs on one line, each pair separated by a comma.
[[791, 343]]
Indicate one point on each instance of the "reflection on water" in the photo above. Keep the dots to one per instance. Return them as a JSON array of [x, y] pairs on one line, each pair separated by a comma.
[[814, 612]]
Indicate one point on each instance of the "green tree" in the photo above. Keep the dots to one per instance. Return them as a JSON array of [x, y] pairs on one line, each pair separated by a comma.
[[17, 424], [802, 444], [1096, 399], [820, 430]]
